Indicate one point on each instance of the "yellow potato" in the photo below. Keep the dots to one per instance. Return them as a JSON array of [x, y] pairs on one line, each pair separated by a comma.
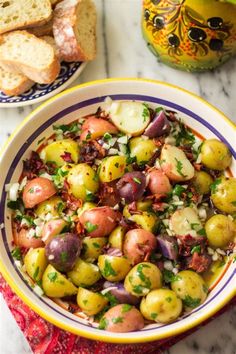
[[116, 237], [84, 273], [142, 149], [55, 284], [35, 263], [146, 220], [90, 303], [113, 268], [92, 248], [57, 149], [52, 205], [215, 155], [112, 168]]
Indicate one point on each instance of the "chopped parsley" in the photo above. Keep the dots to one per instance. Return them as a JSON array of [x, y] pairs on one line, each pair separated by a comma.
[[111, 298], [90, 227], [88, 136], [36, 273], [153, 315], [168, 299], [131, 159], [108, 270], [126, 308], [85, 302], [96, 245], [137, 180], [191, 302], [202, 232], [60, 207], [179, 167], [107, 136], [64, 256], [170, 277], [184, 136], [89, 196], [159, 109], [234, 203], [146, 112], [118, 319], [70, 128], [205, 288], [41, 140], [52, 276], [15, 204], [103, 323], [178, 190], [214, 185], [16, 253], [196, 249]]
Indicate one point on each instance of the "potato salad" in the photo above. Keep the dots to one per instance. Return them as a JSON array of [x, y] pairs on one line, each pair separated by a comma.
[[120, 216]]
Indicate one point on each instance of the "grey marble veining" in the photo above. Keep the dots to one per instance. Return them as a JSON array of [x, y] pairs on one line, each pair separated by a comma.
[[123, 53]]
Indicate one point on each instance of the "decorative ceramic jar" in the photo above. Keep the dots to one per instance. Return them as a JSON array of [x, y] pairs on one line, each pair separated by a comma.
[[193, 35]]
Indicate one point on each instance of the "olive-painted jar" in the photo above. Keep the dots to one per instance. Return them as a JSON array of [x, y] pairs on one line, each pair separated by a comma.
[[193, 35]]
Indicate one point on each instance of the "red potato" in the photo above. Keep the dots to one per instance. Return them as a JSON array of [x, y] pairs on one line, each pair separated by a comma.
[[158, 126], [100, 221], [37, 190], [23, 239], [96, 127], [122, 318], [158, 182], [51, 229], [138, 245], [175, 164]]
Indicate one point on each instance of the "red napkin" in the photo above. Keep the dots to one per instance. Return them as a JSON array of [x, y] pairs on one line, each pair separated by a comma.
[[45, 338]]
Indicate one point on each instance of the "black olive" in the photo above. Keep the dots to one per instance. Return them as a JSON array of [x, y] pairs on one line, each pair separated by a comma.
[[155, 2], [196, 34], [216, 44], [215, 22], [158, 21], [173, 40], [146, 14]]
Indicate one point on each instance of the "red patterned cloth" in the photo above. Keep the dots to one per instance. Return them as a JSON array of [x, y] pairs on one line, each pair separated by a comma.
[[45, 338]]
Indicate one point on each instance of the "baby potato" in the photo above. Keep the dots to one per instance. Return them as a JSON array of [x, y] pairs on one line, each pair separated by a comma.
[[55, 152], [220, 230], [116, 237], [86, 206], [137, 244], [92, 248], [56, 284], [190, 288], [90, 303], [52, 228], [99, 221], [202, 182], [144, 205], [223, 194], [122, 318], [84, 274], [128, 116], [175, 164], [94, 127], [142, 149], [111, 168], [161, 305], [24, 239], [52, 206], [215, 155], [158, 182], [145, 220], [143, 278], [37, 190], [82, 181], [35, 263], [185, 221], [113, 268]]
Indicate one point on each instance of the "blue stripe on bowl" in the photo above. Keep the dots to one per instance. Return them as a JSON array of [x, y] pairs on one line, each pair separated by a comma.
[[71, 109]]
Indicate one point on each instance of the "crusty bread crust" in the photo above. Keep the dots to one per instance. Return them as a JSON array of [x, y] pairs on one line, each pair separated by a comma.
[[64, 27], [44, 30], [24, 86], [43, 76], [13, 84], [20, 23]]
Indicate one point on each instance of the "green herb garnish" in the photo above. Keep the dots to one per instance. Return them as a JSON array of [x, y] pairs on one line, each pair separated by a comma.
[[179, 167], [137, 180], [16, 253], [103, 323], [90, 227], [118, 319], [52, 276], [170, 277], [214, 185], [126, 308], [196, 249], [108, 270], [191, 302]]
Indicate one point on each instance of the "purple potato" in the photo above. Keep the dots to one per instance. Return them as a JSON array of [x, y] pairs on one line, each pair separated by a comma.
[[119, 292], [63, 250], [168, 247], [158, 126], [132, 186]]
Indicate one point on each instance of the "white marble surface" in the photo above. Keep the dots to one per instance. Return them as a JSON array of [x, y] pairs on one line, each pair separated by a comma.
[[123, 53]]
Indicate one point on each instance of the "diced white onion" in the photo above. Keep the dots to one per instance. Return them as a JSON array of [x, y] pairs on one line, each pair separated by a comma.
[[38, 231], [38, 290], [168, 265], [112, 141], [106, 146], [122, 148], [104, 291], [31, 233], [202, 213], [123, 139], [23, 183], [220, 251], [46, 175], [210, 251], [13, 192], [170, 140], [113, 151], [215, 256]]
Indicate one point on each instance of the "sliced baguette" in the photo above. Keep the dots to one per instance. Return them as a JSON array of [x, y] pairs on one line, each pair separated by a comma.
[[74, 29], [50, 40], [13, 84], [44, 30], [24, 53], [16, 14], [54, 2]]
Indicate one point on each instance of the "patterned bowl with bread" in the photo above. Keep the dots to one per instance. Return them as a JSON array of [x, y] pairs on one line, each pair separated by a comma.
[[63, 109], [44, 46]]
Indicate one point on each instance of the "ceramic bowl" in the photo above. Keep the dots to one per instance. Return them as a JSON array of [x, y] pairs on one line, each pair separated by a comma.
[[66, 107]]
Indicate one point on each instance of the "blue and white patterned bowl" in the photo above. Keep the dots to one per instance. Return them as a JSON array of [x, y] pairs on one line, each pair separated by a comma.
[[40, 92], [66, 107]]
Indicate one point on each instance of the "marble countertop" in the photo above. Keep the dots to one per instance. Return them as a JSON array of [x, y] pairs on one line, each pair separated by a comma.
[[123, 53]]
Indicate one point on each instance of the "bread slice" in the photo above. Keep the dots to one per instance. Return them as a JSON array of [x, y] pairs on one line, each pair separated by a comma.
[[16, 14], [74, 29], [50, 40], [44, 30], [13, 84], [25, 53], [54, 2]]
